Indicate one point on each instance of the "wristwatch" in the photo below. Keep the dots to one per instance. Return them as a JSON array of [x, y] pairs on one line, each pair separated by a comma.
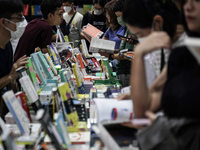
[[110, 57]]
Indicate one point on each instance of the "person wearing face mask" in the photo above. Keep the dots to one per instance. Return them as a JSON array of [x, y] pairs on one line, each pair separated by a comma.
[[10, 19], [74, 18], [123, 66], [15, 36]]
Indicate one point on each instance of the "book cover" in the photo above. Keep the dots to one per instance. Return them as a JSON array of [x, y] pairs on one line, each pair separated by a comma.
[[100, 45], [80, 137], [85, 49], [87, 7], [79, 58], [62, 128], [22, 97], [45, 65], [32, 74], [39, 68], [92, 31], [26, 9], [35, 10], [17, 111], [49, 61], [53, 55]]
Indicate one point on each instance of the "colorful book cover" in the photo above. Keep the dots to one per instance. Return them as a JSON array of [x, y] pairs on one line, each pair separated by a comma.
[[87, 8], [62, 128], [78, 56], [26, 9], [22, 97], [53, 55], [17, 111], [45, 65], [35, 10], [32, 74], [49, 61], [92, 31], [39, 68], [71, 110]]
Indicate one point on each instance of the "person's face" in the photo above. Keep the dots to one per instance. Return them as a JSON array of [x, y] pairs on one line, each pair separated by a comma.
[[108, 16], [16, 17], [118, 14], [57, 17], [139, 32], [192, 14], [98, 7]]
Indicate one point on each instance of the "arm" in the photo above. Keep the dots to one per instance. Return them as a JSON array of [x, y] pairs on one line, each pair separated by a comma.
[[143, 97]]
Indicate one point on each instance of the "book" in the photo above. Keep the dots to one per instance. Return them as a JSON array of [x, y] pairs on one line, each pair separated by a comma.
[[194, 47], [80, 137], [62, 128], [84, 47], [100, 45], [49, 61], [92, 31], [22, 97], [35, 10], [87, 8], [53, 55], [26, 9], [79, 58], [17, 111], [114, 111], [45, 65], [32, 74], [30, 92], [39, 68]]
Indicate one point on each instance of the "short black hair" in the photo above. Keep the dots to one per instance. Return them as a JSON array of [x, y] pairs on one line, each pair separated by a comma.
[[102, 3], [70, 1], [143, 11], [119, 5], [49, 6], [10, 7]]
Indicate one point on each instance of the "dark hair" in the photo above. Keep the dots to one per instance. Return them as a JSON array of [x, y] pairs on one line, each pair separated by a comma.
[[143, 11], [102, 3], [114, 25], [70, 1], [9, 7], [49, 6], [119, 5]]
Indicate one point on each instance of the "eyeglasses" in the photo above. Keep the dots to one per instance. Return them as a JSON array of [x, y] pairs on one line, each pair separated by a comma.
[[18, 18]]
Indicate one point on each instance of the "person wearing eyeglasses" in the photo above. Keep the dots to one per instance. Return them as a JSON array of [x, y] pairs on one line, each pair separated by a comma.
[[10, 19], [38, 33]]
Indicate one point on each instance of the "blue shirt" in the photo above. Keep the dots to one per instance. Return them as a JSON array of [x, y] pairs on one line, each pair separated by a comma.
[[111, 35], [6, 62]]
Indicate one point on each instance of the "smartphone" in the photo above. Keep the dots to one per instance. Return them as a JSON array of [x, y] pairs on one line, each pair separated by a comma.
[[122, 36], [135, 41]]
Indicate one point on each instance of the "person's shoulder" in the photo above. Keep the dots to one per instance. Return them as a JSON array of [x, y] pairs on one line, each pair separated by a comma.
[[88, 14], [79, 15]]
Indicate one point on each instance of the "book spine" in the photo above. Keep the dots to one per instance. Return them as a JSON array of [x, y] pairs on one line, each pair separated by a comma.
[[49, 61], [81, 64], [56, 61], [39, 68], [22, 97], [45, 65]]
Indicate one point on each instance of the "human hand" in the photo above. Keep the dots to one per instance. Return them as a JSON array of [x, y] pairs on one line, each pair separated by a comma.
[[153, 42], [123, 96], [37, 49], [152, 117], [104, 54], [132, 40], [19, 63]]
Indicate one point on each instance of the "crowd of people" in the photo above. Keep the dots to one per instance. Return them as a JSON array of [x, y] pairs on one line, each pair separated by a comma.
[[163, 75]]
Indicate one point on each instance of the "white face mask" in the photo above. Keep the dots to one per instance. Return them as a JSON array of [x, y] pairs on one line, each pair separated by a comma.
[[20, 29], [67, 8], [98, 12]]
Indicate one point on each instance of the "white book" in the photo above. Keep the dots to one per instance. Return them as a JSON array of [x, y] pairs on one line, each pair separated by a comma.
[[29, 89], [49, 61], [100, 45], [85, 49], [193, 44], [114, 111], [17, 111]]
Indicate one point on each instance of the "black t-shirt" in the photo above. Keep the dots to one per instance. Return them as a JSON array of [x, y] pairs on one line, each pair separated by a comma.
[[96, 20], [6, 63], [181, 95]]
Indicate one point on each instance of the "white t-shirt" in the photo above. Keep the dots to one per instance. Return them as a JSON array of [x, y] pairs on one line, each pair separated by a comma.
[[77, 24]]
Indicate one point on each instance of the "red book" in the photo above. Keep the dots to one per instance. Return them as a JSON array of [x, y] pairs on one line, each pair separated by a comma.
[[26, 8], [24, 104]]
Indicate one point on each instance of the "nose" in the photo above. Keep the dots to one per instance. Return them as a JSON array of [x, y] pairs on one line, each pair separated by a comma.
[[189, 5]]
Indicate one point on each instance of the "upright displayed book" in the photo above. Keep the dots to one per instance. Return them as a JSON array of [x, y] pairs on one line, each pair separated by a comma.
[[39, 68], [84, 47], [35, 10], [17, 111], [80, 60], [100, 45], [32, 75], [22, 97], [45, 65], [49, 61], [53, 55], [92, 31]]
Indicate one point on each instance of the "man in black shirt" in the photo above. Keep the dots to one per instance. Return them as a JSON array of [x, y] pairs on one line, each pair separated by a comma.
[[10, 16]]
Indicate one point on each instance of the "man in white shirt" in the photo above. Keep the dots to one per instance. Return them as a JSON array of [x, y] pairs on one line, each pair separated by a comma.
[[75, 26]]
